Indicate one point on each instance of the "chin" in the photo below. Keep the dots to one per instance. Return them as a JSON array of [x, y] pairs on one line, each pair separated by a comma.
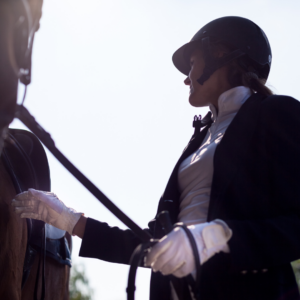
[[197, 100], [194, 101]]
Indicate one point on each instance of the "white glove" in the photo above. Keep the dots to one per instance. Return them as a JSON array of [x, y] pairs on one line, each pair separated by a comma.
[[173, 254], [45, 206]]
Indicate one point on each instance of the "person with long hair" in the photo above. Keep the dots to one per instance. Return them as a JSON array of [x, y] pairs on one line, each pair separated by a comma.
[[235, 190]]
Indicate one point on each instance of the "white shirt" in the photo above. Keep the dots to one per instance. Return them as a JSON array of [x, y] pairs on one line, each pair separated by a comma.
[[196, 171]]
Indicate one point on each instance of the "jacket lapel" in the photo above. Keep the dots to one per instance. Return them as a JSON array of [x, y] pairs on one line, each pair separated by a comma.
[[232, 149], [170, 198], [192, 146]]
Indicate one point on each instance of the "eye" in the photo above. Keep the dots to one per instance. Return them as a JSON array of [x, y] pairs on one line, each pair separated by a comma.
[[191, 62]]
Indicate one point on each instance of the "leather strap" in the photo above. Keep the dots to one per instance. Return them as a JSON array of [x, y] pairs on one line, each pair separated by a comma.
[[135, 261], [41, 259], [139, 253], [194, 284]]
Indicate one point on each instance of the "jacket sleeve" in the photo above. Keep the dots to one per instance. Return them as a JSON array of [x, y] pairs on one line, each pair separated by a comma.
[[264, 243], [107, 243]]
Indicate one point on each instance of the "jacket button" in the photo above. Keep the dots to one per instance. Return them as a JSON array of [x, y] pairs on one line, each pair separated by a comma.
[[254, 271], [244, 272], [264, 270]]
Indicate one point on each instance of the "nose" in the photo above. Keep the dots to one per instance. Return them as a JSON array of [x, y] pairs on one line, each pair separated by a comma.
[[187, 81]]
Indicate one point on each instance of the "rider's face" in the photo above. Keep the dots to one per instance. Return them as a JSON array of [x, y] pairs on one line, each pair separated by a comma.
[[209, 92], [196, 90]]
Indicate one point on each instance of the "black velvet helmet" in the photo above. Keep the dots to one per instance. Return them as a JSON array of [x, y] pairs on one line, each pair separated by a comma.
[[242, 35]]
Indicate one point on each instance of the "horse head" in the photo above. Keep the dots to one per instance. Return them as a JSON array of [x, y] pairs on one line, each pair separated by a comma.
[[19, 20]]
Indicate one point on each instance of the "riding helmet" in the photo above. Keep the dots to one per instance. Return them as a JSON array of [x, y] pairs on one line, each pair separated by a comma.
[[242, 35]]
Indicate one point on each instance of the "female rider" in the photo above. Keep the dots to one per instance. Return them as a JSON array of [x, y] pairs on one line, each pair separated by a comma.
[[235, 187]]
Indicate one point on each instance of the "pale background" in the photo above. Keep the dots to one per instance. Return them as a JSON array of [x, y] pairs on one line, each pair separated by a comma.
[[105, 87]]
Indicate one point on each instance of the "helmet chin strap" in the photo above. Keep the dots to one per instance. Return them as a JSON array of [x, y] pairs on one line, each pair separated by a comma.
[[212, 63]]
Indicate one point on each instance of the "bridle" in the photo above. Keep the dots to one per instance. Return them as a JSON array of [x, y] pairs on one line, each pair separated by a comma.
[[26, 25]]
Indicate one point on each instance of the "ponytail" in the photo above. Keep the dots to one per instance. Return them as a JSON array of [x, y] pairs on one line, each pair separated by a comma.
[[238, 76], [256, 84]]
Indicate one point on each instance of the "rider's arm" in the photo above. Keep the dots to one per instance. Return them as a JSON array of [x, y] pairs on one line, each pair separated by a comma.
[[80, 227]]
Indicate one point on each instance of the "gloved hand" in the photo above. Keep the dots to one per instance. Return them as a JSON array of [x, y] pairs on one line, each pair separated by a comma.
[[45, 206], [173, 254]]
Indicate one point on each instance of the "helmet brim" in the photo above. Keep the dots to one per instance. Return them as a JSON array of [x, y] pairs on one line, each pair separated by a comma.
[[181, 57]]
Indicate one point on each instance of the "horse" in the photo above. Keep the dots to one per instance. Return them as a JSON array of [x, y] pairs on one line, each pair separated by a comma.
[[20, 251], [21, 248]]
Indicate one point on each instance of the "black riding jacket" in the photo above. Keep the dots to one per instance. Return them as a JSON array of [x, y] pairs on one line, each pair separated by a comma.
[[255, 190]]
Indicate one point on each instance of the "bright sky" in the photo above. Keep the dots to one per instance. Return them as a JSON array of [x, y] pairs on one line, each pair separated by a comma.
[[105, 87]]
